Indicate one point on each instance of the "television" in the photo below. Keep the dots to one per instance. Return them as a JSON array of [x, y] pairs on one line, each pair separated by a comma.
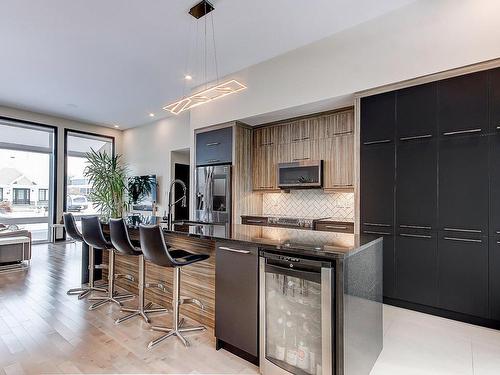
[[142, 192]]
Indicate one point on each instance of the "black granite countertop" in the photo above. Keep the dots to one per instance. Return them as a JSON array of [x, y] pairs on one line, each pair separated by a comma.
[[294, 241]]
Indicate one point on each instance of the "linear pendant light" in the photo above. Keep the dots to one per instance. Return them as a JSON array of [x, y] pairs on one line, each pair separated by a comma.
[[217, 91], [205, 96]]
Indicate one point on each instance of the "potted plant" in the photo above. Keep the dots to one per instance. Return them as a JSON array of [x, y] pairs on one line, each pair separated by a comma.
[[107, 175]]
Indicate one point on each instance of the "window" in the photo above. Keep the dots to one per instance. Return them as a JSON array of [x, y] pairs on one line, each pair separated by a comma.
[[43, 195], [78, 188], [27, 166]]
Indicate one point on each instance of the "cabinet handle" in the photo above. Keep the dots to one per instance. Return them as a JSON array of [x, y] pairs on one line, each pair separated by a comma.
[[463, 131], [300, 139], [267, 144], [378, 225], [297, 159], [463, 230], [462, 239], [255, 221], [213, 160], [266, 187], [498, 127], [414, 227], [234, 250], [375, 232], [375, 142], [414, 235], [415, 137], [213, 144], [335, 227]]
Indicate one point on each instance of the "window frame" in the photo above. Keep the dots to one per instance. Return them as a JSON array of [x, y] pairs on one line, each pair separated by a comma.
[[68, 132]]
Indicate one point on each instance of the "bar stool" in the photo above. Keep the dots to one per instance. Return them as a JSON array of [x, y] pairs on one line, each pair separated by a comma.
[[74, 233], [121, 242], [156, 251], [94, 237]]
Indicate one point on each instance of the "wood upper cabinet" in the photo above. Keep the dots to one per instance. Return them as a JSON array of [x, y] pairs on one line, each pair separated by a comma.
[[327, 137], [463, 104], [337, 154], [264, 167], [214, 147], [495, 100], [265, 136]]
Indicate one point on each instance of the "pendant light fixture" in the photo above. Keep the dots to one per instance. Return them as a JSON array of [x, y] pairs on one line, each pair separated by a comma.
[[215, 91]]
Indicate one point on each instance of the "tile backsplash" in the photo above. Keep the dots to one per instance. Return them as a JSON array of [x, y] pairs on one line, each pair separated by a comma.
[[310, 204]]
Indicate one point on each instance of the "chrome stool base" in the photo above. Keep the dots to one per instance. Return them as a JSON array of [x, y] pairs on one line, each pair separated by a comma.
[[85, 291], [171, 332], [178, 325], [117, 298], [142, 313]]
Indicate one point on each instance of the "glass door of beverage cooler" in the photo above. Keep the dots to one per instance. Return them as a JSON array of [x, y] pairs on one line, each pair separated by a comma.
[[296, 320]]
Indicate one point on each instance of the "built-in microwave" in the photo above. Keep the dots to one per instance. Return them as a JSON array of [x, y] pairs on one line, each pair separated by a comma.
[[300, 174]]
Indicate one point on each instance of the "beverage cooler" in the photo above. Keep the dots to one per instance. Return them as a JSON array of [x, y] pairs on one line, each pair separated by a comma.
[[296, 319]]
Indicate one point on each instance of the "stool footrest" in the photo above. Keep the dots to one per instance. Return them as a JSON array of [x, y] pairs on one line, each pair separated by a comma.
[[124, 276]]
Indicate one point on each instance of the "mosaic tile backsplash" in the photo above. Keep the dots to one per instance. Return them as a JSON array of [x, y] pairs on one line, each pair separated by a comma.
[[309, 204]]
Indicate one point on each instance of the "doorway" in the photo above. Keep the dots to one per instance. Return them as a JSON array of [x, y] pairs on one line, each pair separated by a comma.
[[180, 160]]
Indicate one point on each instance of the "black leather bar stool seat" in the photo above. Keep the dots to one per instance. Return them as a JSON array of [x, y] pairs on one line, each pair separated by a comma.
[[123, 245], [74, 233], [94, 237], [156, 251]]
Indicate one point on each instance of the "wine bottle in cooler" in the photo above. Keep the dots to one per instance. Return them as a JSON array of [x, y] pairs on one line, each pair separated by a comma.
[[303, 347], [291, 343], [280, 347]]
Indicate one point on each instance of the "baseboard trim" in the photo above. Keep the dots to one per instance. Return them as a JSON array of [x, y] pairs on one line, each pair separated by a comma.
[[488, 323], [238, 352]]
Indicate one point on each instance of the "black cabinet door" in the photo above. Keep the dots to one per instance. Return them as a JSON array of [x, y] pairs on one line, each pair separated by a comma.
[[378, 118], [463, 274], [416, 112], [463, 104], [494, 185], [377, 185], [236, 296], [464, 184], [495, 100], [214, 147], [416, 267], [494, 276], [416, 184]]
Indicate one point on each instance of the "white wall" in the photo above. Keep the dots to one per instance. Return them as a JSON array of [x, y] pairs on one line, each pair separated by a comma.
[[147, 149], [62, 124], [425, 37]]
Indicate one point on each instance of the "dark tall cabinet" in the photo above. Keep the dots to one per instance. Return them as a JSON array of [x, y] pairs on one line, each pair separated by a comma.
[[430, 185]]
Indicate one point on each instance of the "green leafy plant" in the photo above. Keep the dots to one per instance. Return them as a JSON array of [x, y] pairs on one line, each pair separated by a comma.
[[107, 176], [139, 187]]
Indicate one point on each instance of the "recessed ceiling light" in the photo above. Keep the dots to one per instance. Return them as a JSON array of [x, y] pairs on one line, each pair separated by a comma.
[[187, 77], [151, 115], [117, 126]]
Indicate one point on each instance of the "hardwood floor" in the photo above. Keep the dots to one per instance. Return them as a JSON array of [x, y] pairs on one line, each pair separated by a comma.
[[43, 330]]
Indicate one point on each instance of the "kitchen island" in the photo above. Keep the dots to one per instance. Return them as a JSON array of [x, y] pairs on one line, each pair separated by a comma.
[[230, 287]]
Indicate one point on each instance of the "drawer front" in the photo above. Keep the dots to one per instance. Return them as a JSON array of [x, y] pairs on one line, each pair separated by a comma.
[[254, 220], [214, 147], [335, 226]]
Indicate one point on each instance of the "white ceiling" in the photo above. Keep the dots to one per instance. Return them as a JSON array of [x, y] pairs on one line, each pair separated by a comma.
[[115, 61]]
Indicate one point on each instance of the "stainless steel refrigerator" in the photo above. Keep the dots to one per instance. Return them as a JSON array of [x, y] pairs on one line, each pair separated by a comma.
[[213, 198]]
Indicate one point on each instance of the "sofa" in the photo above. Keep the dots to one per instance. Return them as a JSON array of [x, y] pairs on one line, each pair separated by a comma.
[[15, 248]]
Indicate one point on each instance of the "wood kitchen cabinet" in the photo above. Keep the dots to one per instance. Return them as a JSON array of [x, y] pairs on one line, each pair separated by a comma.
[[378, 118], [494, 276], [337, 154], [328, 137], [264, 168], [237, 296]]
